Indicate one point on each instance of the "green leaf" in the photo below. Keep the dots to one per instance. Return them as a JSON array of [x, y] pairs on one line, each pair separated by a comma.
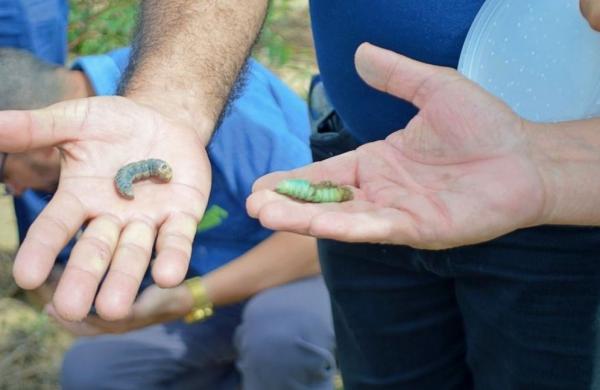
[[213, 217]]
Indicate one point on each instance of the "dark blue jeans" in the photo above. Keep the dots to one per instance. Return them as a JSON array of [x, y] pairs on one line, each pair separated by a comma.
[[520, 312]]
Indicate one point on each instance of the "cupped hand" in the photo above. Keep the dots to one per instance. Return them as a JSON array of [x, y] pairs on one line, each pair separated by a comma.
[[459, 173], [154, 306], [97, 136]]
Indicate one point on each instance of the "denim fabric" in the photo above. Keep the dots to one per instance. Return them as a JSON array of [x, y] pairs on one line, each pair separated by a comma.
[[490, 316]]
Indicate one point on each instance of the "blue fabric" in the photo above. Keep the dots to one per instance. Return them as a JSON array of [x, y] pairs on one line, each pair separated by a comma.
[[266, 130], [38, 26], [427, 30], [488, 317], [104, 70], [294, 320]]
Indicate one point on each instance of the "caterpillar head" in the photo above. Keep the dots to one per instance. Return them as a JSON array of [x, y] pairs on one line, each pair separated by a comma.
[[165, 171]]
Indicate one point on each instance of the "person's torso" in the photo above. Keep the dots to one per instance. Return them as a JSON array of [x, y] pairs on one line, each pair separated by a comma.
[[431, 31]]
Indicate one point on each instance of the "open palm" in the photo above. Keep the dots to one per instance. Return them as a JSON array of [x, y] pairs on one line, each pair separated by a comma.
[[96, 137], [459, 173]]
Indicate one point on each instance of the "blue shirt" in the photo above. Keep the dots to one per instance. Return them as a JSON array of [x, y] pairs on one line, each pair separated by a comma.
[[266, 130], [38, 26], [431, 31]]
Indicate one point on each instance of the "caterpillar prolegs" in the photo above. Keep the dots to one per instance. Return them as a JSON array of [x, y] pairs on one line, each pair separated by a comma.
[[322, 192]]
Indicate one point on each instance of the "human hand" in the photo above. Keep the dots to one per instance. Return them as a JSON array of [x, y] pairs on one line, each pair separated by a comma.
[[459, 173], [97, 136], [155, 305], [591, 11], [37, 170]]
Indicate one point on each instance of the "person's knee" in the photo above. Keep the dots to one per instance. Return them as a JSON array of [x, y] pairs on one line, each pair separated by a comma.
[[291, 346], [83, 368]]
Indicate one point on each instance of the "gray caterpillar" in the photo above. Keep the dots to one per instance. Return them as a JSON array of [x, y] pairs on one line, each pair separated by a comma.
[[322, 192], [140, 170]]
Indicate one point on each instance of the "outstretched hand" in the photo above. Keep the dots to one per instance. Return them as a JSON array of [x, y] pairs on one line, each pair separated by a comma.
[[97, 136], [459, 173]]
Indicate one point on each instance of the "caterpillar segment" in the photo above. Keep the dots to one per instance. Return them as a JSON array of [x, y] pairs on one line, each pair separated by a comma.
[[141, 170], [322, 192]]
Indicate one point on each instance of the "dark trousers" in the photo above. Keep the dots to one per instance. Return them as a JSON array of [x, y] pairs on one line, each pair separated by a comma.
[[520, 312]]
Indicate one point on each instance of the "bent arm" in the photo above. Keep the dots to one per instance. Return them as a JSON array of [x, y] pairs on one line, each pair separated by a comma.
[[187, 56], [279, 259]]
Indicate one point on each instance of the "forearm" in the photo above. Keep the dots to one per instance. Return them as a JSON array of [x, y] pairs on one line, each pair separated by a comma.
[[187, 56], [281, 258], [568, 156]]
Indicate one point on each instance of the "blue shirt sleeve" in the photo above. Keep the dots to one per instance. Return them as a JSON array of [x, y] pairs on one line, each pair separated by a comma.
[[39, 27], [266, 130], [104, 70]]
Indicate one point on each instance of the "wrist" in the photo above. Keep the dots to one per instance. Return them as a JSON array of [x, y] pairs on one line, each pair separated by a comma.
[[202, 306], [177, 109], [567, 156], [546, 169]]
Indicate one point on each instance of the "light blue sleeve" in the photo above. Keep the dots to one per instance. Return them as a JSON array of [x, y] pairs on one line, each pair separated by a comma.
[[266, 130], [104, 70]]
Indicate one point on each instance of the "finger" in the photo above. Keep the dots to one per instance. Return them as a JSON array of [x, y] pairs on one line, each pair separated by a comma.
[[129, 264], [375, 225], [109, 326], [340, 169], [174, 249], [400, 76], [87, 265], [50, 126], [355, 221], [75, 328], [591, 11], [46, 237], [277, 212]]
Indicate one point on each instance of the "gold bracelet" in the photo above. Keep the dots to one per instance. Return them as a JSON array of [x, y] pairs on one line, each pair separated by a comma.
[[202, 307]]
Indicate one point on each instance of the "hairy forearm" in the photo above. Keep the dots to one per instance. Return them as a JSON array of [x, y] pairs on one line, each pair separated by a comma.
[[568, 156], [281, 258], [188, 54]]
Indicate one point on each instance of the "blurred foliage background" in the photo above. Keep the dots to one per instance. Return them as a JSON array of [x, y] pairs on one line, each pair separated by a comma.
[[285, 44], [31, 346]]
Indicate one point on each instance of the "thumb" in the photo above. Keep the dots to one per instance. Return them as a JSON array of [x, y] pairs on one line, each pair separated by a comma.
[[50, 126], [591, 11], [400, 76]]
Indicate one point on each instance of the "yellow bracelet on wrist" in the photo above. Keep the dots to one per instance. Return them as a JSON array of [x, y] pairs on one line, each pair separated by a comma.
[[202, 307]]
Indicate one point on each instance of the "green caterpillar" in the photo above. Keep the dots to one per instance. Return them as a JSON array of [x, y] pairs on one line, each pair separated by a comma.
[[323, 192], [141, 170]]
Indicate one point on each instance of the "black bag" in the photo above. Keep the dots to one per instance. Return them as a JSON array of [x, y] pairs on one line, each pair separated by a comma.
[[328, 136]]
